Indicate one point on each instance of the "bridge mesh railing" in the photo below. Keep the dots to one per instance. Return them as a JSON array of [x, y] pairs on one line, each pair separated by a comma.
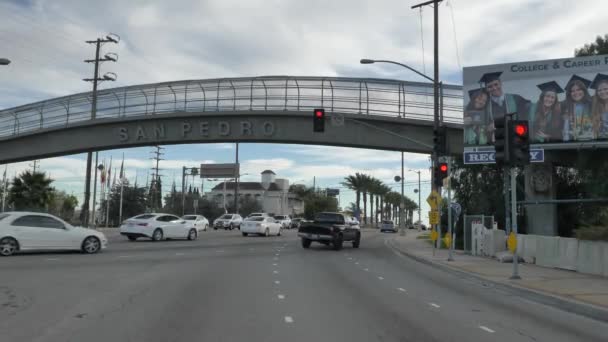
[[413, 100]]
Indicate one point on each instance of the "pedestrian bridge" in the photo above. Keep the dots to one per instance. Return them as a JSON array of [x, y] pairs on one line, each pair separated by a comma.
[[361, 112]]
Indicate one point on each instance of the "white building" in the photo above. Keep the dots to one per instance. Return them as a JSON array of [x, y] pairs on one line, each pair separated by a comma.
[[272, 194]]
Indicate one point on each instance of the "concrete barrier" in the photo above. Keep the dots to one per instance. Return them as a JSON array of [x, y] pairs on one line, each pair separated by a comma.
[[547, 252], [494, 242], [567, 249], [591, 257], [526, 247], [605, 259]]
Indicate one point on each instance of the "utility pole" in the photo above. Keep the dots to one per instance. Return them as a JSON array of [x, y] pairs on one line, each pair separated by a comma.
[[155, 184], [110, 57], [402, 202], [237, 177], [35, 166]]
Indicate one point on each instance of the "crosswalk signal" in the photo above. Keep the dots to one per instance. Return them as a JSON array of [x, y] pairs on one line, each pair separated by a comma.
[[319, 120], [440, 172], [440, 140], [519, 142], [501, 145]]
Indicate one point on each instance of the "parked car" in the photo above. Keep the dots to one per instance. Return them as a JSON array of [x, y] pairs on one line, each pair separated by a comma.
[[295, 223], [158, 226], [228, 222], [261, 225], [419, 225], [29, 231], [330, 228], [387, 226], [258, 215], [284, 220], [199, 222]]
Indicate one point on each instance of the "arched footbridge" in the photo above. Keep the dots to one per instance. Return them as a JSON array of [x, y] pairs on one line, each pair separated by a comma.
[[366, 113]]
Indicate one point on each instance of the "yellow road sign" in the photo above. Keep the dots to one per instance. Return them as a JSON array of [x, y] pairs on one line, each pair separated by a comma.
[[512, 242], [448, 240], [434, 200], [433, 217], [434, 235]]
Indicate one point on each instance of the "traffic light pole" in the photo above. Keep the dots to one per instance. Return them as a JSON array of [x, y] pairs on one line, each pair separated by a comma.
[[450, 253], [514, 222]]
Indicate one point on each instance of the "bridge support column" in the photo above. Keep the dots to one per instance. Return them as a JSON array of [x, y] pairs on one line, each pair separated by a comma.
[[541, 219]]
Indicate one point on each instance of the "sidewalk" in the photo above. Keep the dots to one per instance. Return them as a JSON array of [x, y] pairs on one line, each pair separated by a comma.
[[586, 294]]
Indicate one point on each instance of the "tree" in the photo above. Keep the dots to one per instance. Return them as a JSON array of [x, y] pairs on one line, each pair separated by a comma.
[[247, 205], [63, 205], [355, 182], [366, 184], [300, 190], [31, 191], [134, 202], [316, 203], [599, 47], [382, 192]]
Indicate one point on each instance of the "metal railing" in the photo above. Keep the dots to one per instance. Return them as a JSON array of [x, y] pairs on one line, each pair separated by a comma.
[[413, 100]]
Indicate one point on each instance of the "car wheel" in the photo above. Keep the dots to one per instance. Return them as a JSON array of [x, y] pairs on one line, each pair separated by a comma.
[[214, 228], [244, 234], [338, 243], [192, 234], [266, 232], [8, 246], [157, 235], [206, 226], [357, 241], [91, 245], [131, 238], [306, 243], [279, 233]]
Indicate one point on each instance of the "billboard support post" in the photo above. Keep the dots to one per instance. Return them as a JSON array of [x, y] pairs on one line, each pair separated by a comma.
[[515, 274]]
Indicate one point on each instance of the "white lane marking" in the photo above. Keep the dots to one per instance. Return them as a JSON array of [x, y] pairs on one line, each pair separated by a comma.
[[274, 264], [366, 269], [401, 289], [275, 272], [381, 278], [52, 259], [125, 256], [434, 305], [357, 263], [281, 296], [350, 258], [179, 254], [277, 282], [277, 254], [288, 319], [482, 327]]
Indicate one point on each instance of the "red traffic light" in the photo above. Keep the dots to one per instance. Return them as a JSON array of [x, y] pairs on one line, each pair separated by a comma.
[[443, 167], [521, 129], [319, 113]]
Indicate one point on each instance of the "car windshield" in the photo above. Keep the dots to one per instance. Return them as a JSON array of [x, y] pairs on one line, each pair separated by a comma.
[[144, 217], [279, 217], [226, 217], [387, 222], [329, 217], [189, 217]]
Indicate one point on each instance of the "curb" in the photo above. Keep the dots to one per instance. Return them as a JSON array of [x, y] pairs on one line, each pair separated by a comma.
[[580, 308]]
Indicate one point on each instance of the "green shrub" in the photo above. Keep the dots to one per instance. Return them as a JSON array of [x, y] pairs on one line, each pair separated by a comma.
[[593, 233]]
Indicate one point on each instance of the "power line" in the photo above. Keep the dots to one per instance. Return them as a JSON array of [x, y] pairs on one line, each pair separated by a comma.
[[451, 6]]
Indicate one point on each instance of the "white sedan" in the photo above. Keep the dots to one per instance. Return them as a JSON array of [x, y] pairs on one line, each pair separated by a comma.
[[28, 231], [199, 222], [261, 225], [157, 227]]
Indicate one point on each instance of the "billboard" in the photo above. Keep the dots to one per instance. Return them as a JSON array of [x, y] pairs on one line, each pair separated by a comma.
[[219, 170], [564, 100]]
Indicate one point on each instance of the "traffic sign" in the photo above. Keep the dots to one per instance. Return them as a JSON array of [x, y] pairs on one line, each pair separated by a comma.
[[512, 242], [434, 200], [434, 235], [433, 217]]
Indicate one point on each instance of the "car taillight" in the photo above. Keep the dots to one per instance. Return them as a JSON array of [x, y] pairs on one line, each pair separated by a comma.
[[142, 224]]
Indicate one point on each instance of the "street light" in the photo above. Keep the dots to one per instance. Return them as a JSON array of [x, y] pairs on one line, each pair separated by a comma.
[[5, 61], [372, 61], [419, 190]]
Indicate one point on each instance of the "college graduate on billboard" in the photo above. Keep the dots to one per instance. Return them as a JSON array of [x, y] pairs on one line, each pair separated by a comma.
[[578, 123], [599, 107], [502, 103], [475, 117], [545, 118]]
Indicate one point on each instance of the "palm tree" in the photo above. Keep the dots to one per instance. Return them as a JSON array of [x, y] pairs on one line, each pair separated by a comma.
[[382, 191], [366, 186], [355, 182], [393, 199], [374, 184], [31, 191]]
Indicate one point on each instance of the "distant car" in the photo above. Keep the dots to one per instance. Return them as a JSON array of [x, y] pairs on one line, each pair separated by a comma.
[[158, 226], [387, 226], [29, 231], [284, 220], [419, 225], [258, 215], [228, 222], [330, 228], [295, 223], [199, 222], [261, 225]]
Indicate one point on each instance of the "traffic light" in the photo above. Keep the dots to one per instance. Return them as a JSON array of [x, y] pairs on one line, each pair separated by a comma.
[[319, 120], [500, 141], [440, 140], [439, 173], [519, 142]]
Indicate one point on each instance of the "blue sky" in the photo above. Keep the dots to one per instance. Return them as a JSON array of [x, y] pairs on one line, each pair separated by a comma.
[[190, 39]]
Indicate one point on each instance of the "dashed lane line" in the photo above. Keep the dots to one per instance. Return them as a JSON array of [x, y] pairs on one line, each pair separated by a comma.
[[288, 319], [434, 305], [281, 296], [484, 328], [401, 289], [381, 278]]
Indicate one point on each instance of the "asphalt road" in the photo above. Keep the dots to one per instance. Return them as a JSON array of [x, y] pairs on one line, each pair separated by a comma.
[[225, 287]]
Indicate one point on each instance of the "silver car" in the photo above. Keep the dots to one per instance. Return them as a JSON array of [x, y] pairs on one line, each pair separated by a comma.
[[387, 226]]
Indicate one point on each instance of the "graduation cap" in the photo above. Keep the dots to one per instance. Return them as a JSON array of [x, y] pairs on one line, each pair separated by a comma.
[[474, 92], [551, 86], [585, 81], [596, 81], [489, 77]]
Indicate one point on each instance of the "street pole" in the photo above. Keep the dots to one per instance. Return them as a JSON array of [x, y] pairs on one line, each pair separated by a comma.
[[514, 223], [95, 190], [122, 184], [4, 187], [402, 205], [237, 177], [224, 193], [183, 190], [507, 185], [419, 204], [450, 252]]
